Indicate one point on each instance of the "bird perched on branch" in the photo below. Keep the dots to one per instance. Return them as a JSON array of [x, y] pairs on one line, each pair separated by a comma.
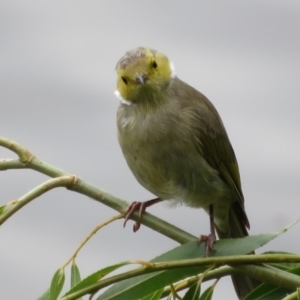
[[176, 145]]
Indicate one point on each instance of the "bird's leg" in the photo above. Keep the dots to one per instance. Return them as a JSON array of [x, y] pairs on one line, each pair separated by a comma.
[[211, 238], [141, 207]]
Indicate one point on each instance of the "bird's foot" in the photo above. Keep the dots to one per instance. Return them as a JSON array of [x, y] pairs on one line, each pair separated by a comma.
[[141, 208], [134, 206], [211, 238], [209, 243]]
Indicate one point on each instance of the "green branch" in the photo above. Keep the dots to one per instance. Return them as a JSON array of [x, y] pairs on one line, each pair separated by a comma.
[[293, 296], [28, 161], [13, 206], [268, 274]]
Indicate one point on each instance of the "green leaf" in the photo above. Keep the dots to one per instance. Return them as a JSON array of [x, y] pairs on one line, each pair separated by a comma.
[[193, 292], [75, 274], [208, 293], [283, 265], [138, 287], [57, 284], [298, 293], [154, 296], [93, 278], [45, 296], [2, 208], [267, 291]]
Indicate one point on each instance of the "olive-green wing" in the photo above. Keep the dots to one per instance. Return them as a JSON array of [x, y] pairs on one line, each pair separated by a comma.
[[215, 147], [212, 140]]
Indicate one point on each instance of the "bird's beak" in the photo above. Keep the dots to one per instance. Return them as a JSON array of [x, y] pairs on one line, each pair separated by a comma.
[[141, 78]]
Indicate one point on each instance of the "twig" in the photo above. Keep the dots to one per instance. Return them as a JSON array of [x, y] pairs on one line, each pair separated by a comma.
[[98, 227]]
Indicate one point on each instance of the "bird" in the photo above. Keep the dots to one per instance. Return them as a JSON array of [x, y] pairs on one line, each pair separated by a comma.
[[176, 146]]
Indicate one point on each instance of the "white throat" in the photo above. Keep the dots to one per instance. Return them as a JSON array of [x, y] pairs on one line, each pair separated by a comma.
[[173, 72], [122, 100]]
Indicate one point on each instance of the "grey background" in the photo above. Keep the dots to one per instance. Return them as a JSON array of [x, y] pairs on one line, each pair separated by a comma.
[[57, 63]]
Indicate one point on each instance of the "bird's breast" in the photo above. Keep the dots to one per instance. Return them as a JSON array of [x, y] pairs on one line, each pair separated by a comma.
[[160, 149]]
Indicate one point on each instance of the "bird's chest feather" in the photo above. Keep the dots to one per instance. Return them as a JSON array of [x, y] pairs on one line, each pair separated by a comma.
[[152, 147], [160, 149], [147, 138]]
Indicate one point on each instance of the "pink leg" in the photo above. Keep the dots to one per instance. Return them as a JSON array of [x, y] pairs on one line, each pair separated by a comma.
[[141, 207], [211, 238]]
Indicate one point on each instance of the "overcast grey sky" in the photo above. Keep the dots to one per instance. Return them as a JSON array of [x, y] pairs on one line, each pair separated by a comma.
[[57, 78]]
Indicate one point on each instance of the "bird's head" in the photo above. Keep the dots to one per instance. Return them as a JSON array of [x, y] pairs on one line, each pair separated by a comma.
[[141, 72]]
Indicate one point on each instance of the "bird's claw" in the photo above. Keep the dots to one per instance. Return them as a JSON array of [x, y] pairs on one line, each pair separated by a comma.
[[133, 207], [141, 207], [209, 243]]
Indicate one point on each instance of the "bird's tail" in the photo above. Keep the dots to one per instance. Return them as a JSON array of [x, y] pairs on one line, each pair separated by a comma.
[[243, 284]]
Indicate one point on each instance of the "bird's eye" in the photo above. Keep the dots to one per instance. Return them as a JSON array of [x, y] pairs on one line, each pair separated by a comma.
[[124, 79], [154, 64]]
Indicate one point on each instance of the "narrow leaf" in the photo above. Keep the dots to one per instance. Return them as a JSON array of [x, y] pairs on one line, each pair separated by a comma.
[[75, 275], [45, 296], [298, 293], [138, 287], [208, 293], [193, 292], [57, 284], [93, 278], [2, 208], [283, 265], [155, 296], [267, 291]]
